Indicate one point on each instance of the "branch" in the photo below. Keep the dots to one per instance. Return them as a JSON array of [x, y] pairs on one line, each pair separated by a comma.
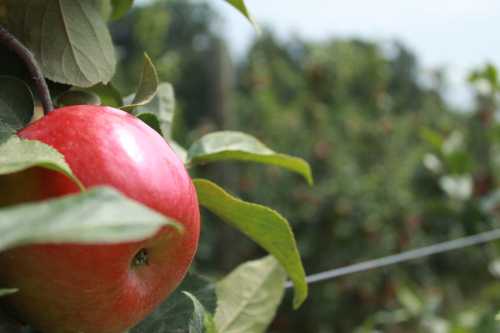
[[13, 44]]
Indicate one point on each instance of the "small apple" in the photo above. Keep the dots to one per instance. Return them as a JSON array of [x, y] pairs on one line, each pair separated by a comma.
[[103, 288]]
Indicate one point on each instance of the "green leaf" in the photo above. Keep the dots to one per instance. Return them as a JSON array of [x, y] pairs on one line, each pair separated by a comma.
[[69, 39], [100, 215], [263, 225], [410, 301], [104, 7], [242, 8], [209, 323], [9, 291], [161, 107], [197, 322], [249, 296], [228, 145], [174, 314], [151, 120], [18, 155], [148, 86], [108, 94], [432, 137], [5, 132], [120, 8], [488, 73], [78, 97], [159, 115], [16, 103]]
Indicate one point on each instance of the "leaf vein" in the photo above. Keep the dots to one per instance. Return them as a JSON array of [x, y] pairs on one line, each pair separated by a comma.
[[70, 42]]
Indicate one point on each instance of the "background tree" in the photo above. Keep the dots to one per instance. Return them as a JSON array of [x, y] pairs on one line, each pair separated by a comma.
[[395, 166]]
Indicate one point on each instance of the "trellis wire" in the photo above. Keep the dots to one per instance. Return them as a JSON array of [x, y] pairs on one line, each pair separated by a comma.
[[426, 251]]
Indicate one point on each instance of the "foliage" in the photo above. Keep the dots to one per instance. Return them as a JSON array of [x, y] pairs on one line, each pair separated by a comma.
[[97, 216], [58, 35], [173, 314], [17, 155], [395, 168], [360, 115], [240, 307], [227, 145], [265, 226], [72, 45], [15, 95]]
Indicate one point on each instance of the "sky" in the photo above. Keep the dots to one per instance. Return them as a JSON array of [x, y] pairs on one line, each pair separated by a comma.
[[457, 35]]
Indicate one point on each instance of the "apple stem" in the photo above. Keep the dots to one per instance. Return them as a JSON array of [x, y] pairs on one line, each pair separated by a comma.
[[12, 43]]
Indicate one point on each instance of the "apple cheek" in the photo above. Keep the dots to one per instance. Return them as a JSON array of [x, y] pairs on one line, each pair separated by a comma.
[[41, 272]]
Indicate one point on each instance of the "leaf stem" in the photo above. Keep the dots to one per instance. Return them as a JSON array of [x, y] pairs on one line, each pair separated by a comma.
[[13, 44]]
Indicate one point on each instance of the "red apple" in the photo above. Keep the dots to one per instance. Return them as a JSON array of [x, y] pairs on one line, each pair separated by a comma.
[[100, 288]]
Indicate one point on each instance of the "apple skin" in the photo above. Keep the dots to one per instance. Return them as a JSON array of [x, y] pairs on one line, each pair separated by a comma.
[[70, 288]]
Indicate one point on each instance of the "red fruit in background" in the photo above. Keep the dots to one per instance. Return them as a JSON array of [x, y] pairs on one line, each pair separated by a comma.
[[100, 288]]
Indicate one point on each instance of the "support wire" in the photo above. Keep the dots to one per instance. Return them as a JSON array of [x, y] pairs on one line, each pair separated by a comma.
[[426, 251]]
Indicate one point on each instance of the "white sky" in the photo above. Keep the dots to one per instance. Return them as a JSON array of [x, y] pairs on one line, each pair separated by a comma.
[[457, 35]]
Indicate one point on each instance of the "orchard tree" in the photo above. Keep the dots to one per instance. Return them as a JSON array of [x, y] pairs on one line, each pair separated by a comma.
[[99, 218]]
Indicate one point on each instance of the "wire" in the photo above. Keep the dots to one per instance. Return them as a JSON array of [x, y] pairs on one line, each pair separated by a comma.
[[426, 251]]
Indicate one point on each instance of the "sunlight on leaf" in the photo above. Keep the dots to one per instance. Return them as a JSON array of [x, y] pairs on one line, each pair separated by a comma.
[[229, 145]]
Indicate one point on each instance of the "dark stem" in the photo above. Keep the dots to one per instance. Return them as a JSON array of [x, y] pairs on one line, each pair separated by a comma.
[[11, 42]]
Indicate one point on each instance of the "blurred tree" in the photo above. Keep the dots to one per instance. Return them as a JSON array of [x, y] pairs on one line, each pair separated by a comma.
[[334, 106], [395, 166]]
